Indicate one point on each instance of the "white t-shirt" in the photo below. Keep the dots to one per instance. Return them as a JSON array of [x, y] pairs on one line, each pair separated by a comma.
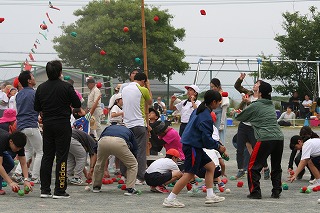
[[214, 155], [4, 98], [117, 119], [311, 148], [162, 165], [185, 111], [12, 102], [111, 101], [134, 98], [305, 102]]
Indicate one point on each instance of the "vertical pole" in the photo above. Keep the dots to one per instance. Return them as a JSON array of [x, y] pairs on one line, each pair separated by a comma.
[[168, 88], [144, 39], [318, 76], [259, 64]]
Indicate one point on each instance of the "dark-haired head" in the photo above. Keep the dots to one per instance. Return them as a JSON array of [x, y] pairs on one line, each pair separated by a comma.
[[19, 139], [54, 69], [306, 132], [294, 141], [24, 77], [215, 84], [265, 90], [211, 100]]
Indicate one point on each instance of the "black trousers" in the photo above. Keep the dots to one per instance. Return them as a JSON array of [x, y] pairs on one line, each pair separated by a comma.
[[260, 153], [56, 142]]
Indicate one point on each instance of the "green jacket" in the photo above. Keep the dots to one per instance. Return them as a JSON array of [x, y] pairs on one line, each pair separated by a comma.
[[262, 116]]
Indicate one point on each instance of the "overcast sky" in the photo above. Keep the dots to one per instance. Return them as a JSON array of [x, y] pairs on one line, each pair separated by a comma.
[[248, 29]]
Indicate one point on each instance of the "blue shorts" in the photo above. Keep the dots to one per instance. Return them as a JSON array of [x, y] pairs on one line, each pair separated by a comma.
[[195, 158], [316, 162]]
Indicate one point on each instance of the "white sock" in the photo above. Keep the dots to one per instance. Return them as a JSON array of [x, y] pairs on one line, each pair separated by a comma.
[[210, 192], [171, 196]]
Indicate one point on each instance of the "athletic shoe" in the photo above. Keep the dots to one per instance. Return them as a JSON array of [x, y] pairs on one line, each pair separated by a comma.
[[161, 189], [172, 203], [240, 174], [61, 196], [139, 182], [46, 195], [17, 178], [194, 191], [77, 181], [311, 186], [153, 189], [275, 195], [35, 180], [266, 174], [312, 181], [96, 189], [254, 196], [214, 199], [131, 191], [2, 192]]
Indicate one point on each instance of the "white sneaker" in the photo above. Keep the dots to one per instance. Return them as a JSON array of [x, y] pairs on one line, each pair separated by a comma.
[[139, 182], [46, 195], [214, 199], [172, 203], [312, 181], [316, 183]]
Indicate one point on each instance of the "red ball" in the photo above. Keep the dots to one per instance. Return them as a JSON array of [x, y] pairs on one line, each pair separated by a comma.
[[119, 176], [102, 52], [291, 173], [43, 26], [16, 190], [224, 94], [123, 187], [203, 12], [121, 182], [125, 29], [1, 20], [99, 85], [204, 189], [315, 189], [221, 189], [224, 180], [114, 179], [156, 18], [88, 180], [239, 184], [189, 186], [221, 40], [304, 188], [31, 183], [104, 181]]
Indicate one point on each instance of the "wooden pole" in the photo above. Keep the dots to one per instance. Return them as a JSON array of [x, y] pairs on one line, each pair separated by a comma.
[[144, 39]]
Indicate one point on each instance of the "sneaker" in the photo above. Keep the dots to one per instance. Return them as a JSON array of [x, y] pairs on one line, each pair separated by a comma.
[[61, 196], [275, 195], [194, 191], [214, 199], [216, 189], [172, 203], [139, 182], [46, 195], [266, 174], [240, 174], [96, 189], [161, 189], [312, 181], [153, 189], [311, 186], [254, 196], [2, 192], [77, 181], [35, 180], [131, 191], [17, 178]]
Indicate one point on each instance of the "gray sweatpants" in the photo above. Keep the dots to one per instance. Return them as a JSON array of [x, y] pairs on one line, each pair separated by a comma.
[[77, 159]]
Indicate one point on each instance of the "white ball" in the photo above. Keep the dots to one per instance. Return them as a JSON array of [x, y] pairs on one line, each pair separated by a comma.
[[319, 201], [228, 191], [87, 188]]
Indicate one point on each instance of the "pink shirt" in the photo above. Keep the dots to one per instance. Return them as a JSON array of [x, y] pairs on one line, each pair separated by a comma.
[[172, 139]]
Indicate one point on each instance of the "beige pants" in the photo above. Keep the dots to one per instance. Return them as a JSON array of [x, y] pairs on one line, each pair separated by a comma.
[[118, 147]]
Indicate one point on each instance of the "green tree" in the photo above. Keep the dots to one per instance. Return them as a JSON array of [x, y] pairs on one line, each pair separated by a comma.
[[301, 42], [101, 27]]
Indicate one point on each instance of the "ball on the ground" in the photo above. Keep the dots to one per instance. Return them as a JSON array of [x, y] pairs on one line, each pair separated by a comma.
[[224, 180], [21, 192], [285, 186], [89, 181], [228, 191], [4, 184], [304, 189], [204, 189], [104, 181], [139, 192], [121, 182], [232, 178], [15, 190], [114, 179], [87, 188], [221, 189], [308, 191], [123, 187], [119, 186], [239, 184]]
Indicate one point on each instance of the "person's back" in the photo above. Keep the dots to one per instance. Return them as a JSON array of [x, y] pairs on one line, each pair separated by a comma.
[[56, 101]]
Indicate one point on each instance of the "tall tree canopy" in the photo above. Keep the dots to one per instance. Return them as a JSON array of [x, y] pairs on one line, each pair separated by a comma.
[[101, 27], [301, 42]]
